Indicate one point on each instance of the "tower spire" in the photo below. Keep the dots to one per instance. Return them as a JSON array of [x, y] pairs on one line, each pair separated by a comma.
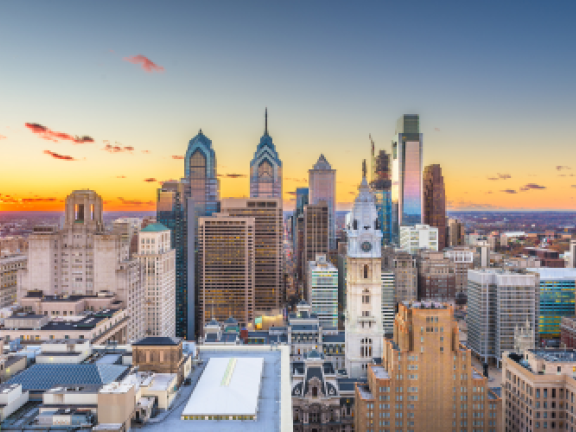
[[266, 121]]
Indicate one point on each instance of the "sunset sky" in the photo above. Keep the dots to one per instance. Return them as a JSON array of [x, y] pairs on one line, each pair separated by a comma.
[[104, 95]]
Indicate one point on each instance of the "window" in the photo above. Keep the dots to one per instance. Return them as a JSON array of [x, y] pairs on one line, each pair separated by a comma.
[[366, 271]]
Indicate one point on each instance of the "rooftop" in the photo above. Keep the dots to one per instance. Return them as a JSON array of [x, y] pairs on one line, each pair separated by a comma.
[[155, 227], [158, 340], [555, 355], [424, 305]]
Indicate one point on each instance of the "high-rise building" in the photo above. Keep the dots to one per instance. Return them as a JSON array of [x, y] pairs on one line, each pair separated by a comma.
[[298, 228], [381, 185], [435, 202], [342, 276], [323, 291], [226, 251], [266, 168], [158, 261], [436, 277], [406, 174], [82, 259], [322, 184], [572, 254], [498, 302], [179, 205], [426, 381], [364, 333], [416, 237], [9, 268], [557, 294], [405, 273], [268, 234], [315, 232], [537, 390], [455, 232], [388, 301], [462, 258]]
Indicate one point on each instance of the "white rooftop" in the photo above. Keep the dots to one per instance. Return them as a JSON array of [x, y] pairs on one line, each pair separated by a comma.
[[229, 386], [548, 273]]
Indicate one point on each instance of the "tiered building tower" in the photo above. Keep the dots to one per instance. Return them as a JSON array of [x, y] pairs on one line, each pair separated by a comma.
[[266, 168]]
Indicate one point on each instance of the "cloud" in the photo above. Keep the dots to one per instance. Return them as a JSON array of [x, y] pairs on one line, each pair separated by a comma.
[[500, 177], [146, 151], [147, 64], [59, 156], [35, 200], [177, 157], [562, 167], [297, 180], [134, 202], [150, 180], [51, 135], [291, 193], [574, 186], [469, 205], [120, 176], [509, 191], [118, 149], [232, 175], [437, 129], [532, 186], [489, 192], [2, 137]]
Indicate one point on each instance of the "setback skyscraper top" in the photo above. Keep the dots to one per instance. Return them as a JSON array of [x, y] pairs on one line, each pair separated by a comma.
[[322, 184], [266, 168]]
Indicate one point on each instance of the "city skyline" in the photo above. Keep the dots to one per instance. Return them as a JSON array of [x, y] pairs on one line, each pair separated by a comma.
[[113, 108]]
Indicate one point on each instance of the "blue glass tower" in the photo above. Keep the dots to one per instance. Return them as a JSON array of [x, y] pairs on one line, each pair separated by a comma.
[[179, 205], [266, 168], [383, 201]]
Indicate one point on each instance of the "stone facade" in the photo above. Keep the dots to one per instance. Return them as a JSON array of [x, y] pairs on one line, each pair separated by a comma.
[[435, 202], [9, 267]]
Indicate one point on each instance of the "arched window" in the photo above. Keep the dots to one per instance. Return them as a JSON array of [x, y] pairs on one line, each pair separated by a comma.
[[365, 271]]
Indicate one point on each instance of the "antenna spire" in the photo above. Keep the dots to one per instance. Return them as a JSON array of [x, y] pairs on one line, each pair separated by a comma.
[[364, 168], [266, 121]]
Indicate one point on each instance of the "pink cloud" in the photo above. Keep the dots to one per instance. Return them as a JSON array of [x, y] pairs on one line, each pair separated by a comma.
[[147, 64], [51, 135]]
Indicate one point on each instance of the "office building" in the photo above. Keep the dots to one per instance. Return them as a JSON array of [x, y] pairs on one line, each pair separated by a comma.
[[426, 381], [179, 205], [323, 291], [436, 277], [388, 300], [568, 332], [547, 257], [364, 332], [301, 200], [268, 237], [316, 220], [322, 184], [416, 237], [82, 259], [462, 258], [407, 174], [557, 292], [266, 168], [572, 251], [455, 232], [158, 261], [538, 390], [13, 245], [9, 267], [435, 202], [226, 252], [342, 275], [128, 229], [498, 302], [405, 273]]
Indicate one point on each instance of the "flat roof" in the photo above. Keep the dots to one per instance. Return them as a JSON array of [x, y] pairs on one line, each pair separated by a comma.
[[229, 386]]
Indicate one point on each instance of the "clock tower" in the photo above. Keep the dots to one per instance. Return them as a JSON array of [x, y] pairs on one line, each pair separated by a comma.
[[364, 332]]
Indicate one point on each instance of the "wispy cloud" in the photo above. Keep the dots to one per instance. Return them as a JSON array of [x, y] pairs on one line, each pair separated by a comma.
[[147, 64], [50, 135], [150, 180], [146, 151], [509, 191], [2, 137], [437, 129], [562, 167], [500, 177], [232, 175], [177, 157], [121, 177], [59, 156], [532, 186], [118, 149]]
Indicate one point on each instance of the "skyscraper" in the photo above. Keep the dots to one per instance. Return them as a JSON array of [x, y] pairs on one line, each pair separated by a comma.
[[266, 168], [302, 195], [435, 202], [322, 184], [315, 233], [406, 174], [268, 232], [226, 271], [381, 184], [179, 205]]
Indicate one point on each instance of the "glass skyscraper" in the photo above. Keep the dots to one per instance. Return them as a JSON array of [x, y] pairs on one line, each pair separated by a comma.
[[381, 184], [301, 200], [266, 168], [322, 184], [406, 173], [179, 204]]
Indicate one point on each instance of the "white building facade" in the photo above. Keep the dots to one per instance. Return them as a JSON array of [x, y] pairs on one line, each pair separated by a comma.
[[323, 291], [364, 333], [158, 260], [413, 238]]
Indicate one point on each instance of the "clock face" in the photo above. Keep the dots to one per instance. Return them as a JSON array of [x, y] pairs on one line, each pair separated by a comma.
[[366, 246]]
